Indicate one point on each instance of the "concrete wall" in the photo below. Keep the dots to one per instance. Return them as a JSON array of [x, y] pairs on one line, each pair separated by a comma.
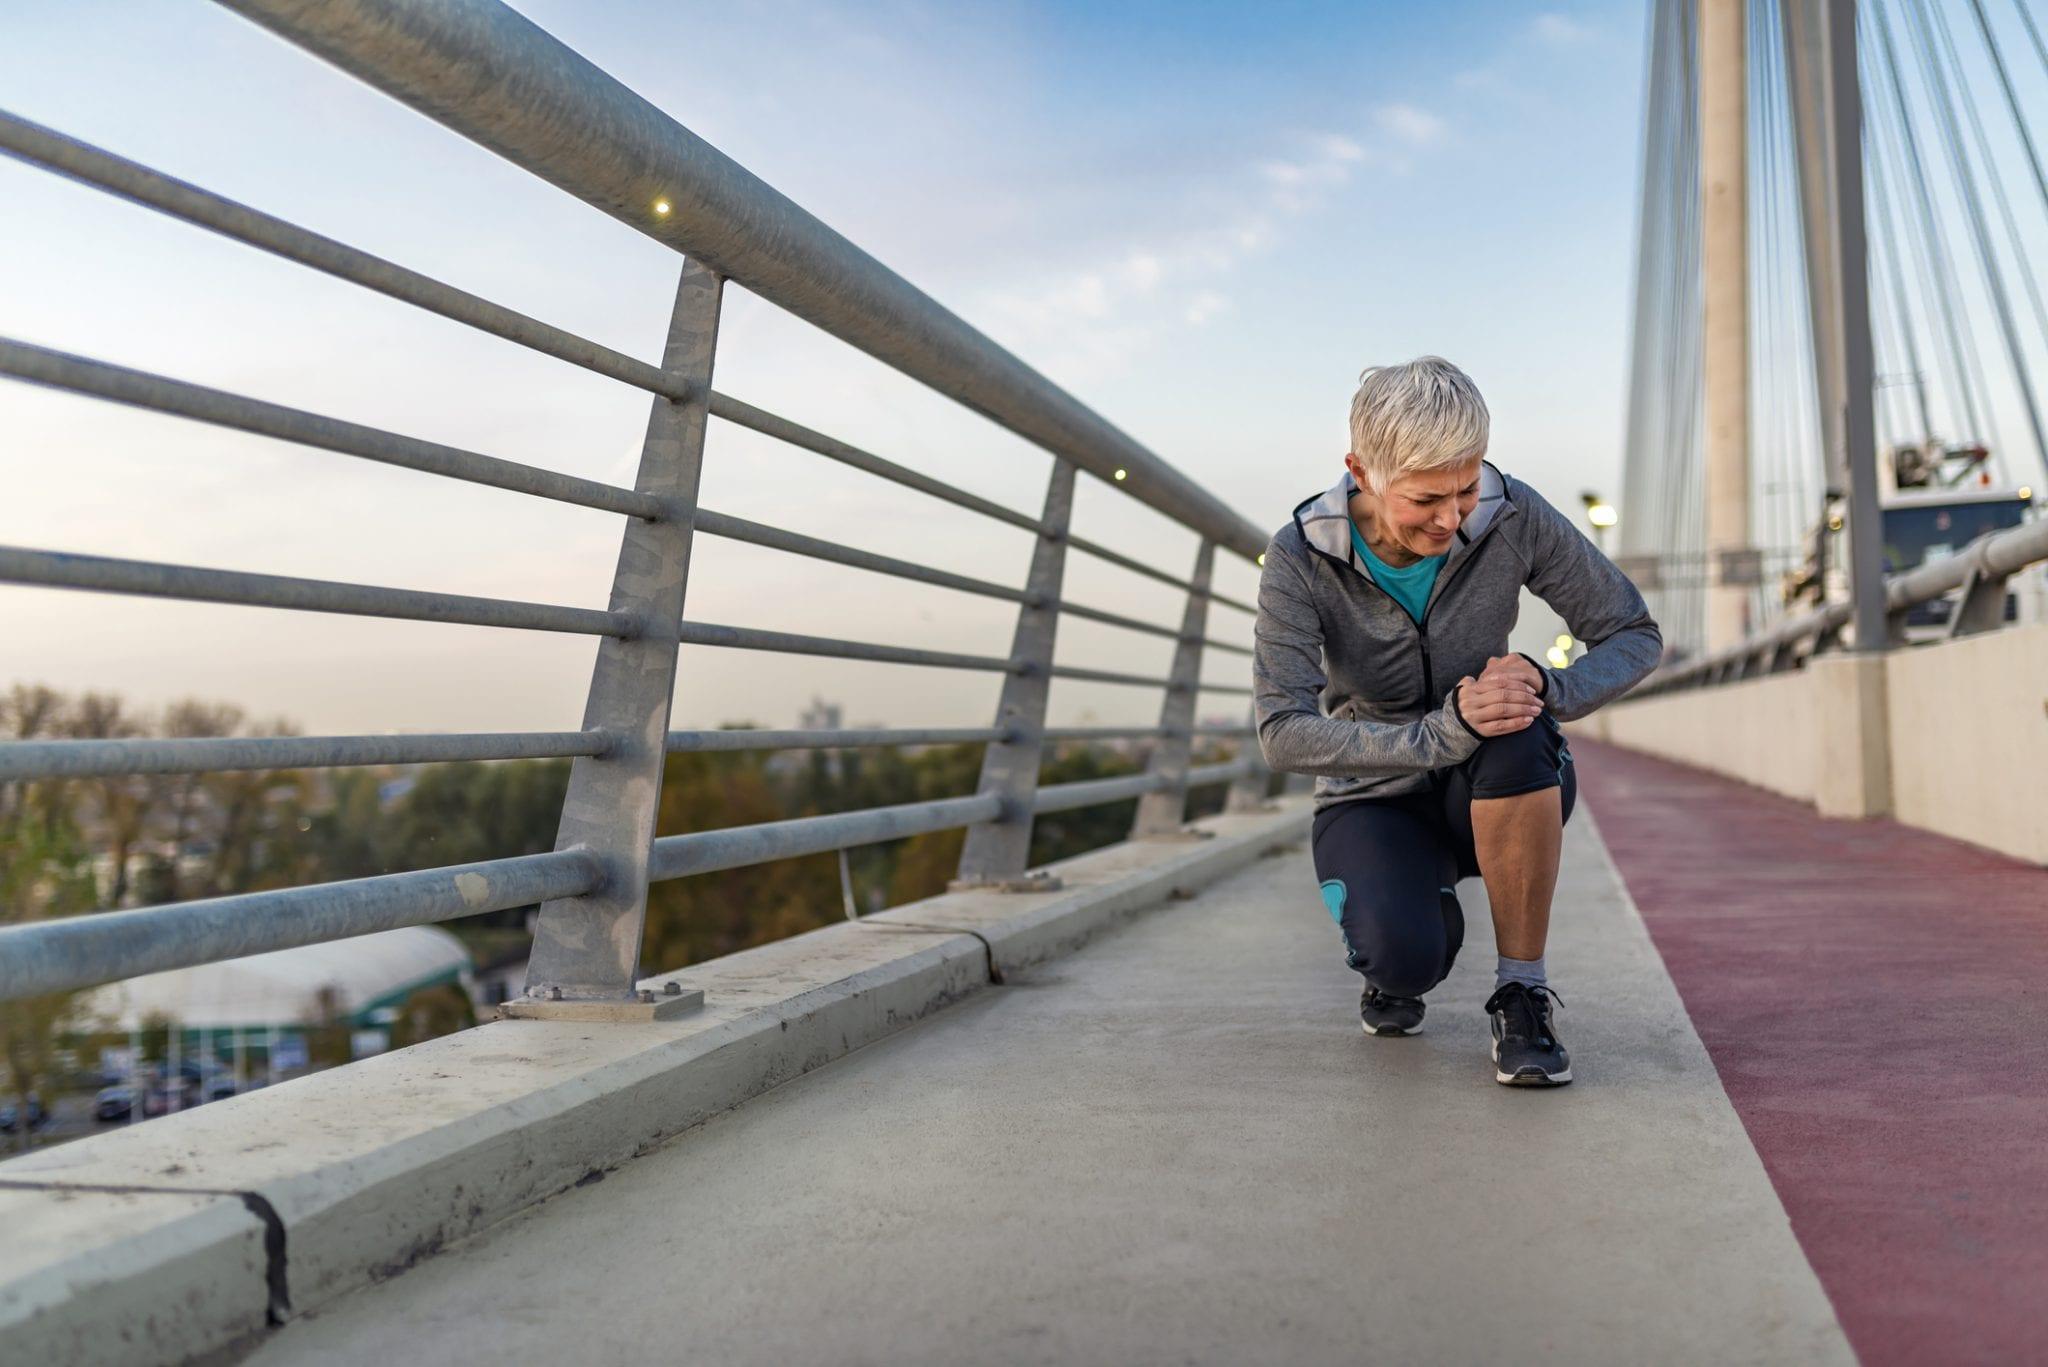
[[1950, 737], [1969, 739], [1761, 731]]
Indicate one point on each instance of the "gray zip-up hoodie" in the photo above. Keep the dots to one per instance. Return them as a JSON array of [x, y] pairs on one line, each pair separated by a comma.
[[1349, 688]]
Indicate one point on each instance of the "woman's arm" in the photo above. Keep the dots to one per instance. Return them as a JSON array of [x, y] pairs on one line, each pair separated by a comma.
[[1288, 679], [1599, 606]]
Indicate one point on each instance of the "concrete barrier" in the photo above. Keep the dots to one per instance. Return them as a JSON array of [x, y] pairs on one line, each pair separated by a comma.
[[1761, 731], [164, 1241], [1969, 739], [1951, 737]]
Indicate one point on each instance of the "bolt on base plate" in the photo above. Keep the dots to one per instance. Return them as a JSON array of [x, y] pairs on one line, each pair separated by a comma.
[[1035, 881], [673, 1001]]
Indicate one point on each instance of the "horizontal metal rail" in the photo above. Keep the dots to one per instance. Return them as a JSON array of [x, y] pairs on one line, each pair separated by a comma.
[[1117, 558], [161, 394], [759, 534], [1065, 797], [33, 759], [78, 951], [93, 758], [1072, 609], [1108, 676], [1054, 733], [495, 77], [1993, 556], [874, 737], [679, 856], [101, 574], [711, 742], [796, 543], [789, 643], [90, 165], [817, 443], [1094, 792]]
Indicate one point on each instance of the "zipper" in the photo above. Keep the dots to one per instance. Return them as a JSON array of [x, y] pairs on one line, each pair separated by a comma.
[[1442, 587], [1437, 591]]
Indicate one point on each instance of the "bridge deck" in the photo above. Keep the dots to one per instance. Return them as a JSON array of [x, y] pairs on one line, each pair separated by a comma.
[[1174, 1146]]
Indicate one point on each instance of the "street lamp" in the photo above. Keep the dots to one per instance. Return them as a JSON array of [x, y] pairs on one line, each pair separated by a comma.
[[1601, 514]]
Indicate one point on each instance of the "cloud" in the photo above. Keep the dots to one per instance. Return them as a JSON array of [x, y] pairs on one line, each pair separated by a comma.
[[1205, 306], [1098, 317], [1410, 125], [1561, 30]]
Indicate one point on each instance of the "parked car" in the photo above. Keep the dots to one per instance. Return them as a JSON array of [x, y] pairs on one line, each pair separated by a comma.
[[112, 1103], [10, 1116]]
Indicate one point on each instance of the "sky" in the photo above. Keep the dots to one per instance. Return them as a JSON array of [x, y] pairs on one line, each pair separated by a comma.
[[1202, 219]]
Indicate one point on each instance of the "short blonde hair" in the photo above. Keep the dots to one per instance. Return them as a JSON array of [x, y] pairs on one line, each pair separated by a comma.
[[1425, 415]]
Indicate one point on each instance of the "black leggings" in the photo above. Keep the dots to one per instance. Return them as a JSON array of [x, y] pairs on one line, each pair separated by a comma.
[[1388, 866]]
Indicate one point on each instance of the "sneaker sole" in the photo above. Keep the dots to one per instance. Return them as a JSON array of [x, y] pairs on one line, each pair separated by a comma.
[[1528, 1079], [1388, 1031]]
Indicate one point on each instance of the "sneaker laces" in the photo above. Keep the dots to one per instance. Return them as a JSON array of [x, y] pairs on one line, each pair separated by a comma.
[[1527, 1010]]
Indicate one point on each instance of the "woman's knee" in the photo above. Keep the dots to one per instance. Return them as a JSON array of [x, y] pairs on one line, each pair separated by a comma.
[[1408, 973], [1405, 956], [1523, 761]]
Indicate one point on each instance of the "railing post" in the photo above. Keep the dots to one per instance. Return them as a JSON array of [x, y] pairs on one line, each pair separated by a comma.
[[1980, 606], [1165, 811], [997, 851], [1248, 790], [586, 950]]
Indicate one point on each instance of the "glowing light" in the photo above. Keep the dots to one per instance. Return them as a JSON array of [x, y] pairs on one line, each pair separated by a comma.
[[661, 208], [1602, 515], [2026, 493], [1558, 659], [1564, 641], [1262, 557], [1122, 474]]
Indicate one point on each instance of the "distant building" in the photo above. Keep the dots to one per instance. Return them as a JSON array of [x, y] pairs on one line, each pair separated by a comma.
[[822, 716], [362, 981]]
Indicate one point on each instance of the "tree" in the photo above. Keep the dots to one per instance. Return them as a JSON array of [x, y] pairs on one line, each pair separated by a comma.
[[691, 919], [431, 1013], [45, 872], [124, 802], [249, 825]]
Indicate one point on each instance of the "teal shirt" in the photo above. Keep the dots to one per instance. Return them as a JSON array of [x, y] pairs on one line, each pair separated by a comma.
[[1410, 587]]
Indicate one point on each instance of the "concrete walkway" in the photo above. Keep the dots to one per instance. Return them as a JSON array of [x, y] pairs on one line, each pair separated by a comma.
[[1175, 1146]]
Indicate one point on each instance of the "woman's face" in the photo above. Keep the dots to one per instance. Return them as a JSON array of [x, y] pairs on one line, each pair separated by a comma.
[[1421, 512]]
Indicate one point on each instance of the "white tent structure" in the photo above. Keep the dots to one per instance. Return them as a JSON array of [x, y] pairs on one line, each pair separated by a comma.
[[284, 989]]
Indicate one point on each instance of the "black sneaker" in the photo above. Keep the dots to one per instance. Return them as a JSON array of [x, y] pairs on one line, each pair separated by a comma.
[[1382, 1014], [1526, 1050]]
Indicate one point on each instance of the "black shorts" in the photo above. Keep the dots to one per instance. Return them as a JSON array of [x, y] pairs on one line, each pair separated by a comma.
[[1389, 866]]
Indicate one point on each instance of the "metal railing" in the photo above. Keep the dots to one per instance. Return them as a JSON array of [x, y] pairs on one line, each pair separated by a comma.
[[484, 71], [1980, 570]]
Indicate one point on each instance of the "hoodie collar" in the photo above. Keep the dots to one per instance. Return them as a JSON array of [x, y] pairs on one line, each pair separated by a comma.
[[1325, 520]]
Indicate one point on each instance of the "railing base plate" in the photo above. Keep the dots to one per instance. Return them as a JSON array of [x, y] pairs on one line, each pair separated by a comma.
[[659, 1007], [1026, 882]]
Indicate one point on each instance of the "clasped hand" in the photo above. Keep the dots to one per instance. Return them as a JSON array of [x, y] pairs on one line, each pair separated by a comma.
[[1503, 699]]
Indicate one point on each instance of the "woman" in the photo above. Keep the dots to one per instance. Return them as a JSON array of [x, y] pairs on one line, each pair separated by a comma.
[[1383, 668]]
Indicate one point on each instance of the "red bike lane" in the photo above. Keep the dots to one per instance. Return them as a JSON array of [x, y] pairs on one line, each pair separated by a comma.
[[1875, 998]]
